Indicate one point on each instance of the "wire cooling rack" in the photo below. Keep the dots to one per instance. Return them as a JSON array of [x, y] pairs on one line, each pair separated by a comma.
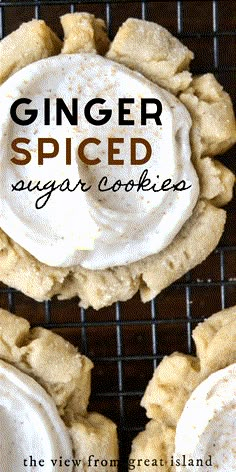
[[128, 340]]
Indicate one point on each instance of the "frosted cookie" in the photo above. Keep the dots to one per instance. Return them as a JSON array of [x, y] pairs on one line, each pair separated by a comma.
[[191, 404], [123, 235], [44, 394]]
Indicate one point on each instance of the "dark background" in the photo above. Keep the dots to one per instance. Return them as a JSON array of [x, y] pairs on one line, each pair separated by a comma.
[[127, 340]]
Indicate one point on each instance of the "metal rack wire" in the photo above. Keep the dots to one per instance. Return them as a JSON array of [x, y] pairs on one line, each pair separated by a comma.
[[127, 340]]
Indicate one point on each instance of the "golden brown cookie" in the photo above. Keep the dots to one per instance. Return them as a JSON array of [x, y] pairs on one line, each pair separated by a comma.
[[176, 377], [165, 61], [29, 43], [64, 374], [84, 33], [150, 49]]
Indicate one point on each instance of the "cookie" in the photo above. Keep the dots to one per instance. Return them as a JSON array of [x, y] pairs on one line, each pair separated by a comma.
[[84, 32], [38, 367], [177, 381], [150, 49], [102, 273], [29, 43]]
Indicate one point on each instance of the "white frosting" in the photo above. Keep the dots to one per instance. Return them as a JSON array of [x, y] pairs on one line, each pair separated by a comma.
[[30, 425], [115, 227], [207, 426]]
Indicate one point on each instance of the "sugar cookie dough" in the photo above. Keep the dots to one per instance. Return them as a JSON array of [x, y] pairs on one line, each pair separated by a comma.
[[179, 378], [165, 62], [41, 368]]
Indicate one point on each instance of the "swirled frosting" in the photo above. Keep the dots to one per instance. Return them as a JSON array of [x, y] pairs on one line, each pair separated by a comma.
[[206, 429], [31, 428], [95, 228]]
